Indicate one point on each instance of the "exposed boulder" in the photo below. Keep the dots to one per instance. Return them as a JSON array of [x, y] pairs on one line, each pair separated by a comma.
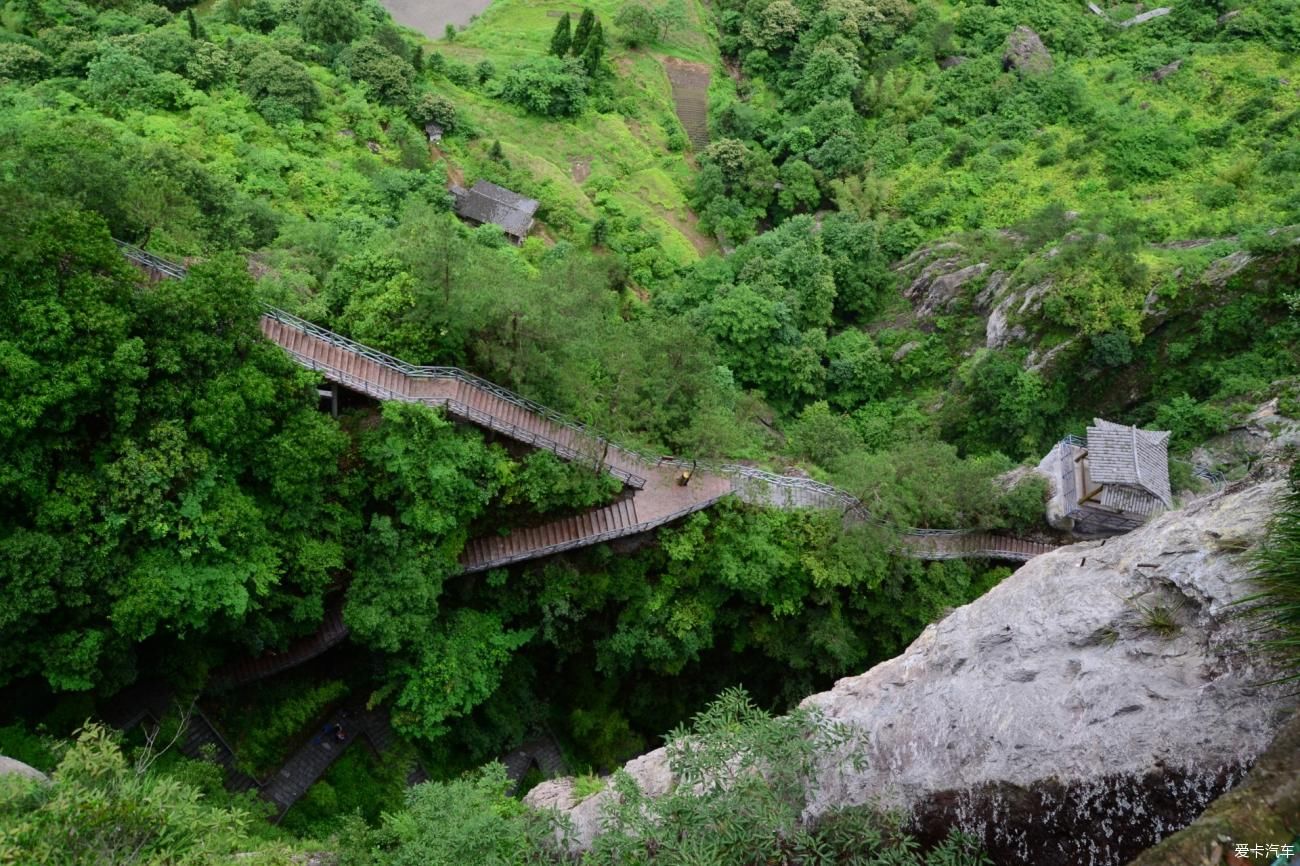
[[1025, 53], [1057, 715], [1262, 810], [1165, 71], [1091, 704], [11, 767], [935, 277], [1145, 17], [650, 772]]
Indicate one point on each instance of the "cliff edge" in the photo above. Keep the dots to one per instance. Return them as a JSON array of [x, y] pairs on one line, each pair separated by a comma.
[[1090, 705]]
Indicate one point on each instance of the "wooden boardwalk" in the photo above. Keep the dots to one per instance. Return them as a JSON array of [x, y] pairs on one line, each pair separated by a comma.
[[331, 632], [149, 702], [657, 496]]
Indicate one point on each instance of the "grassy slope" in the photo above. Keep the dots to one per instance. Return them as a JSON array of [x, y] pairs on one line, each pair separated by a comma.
[[627, 151], [1213, 84]]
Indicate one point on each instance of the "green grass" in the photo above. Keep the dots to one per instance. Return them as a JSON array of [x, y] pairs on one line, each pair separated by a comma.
[[627, 147]]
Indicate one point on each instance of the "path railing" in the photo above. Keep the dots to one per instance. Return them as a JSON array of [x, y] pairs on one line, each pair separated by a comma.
[[750, 484]]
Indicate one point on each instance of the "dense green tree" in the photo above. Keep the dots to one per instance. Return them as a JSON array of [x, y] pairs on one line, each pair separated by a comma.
[[561, 39], [637, 25], [281, 88], [167, 464], [387, 76], [799, 190], [594, 52], [582, 33], [329, 22], [549, 86], [434, 108], [458, 667], [430, 483], [118, 81], [19, 62]]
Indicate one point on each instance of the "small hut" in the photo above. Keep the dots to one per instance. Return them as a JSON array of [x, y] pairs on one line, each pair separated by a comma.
[[434, 131], [1112, 482], [488, 203]]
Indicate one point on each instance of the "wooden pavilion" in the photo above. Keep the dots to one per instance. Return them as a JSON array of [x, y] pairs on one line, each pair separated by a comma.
[[1112, 482]]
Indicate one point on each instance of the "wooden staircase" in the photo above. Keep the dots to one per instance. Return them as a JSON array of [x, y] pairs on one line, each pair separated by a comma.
[[657, 495], [612, 521], [331, 633]]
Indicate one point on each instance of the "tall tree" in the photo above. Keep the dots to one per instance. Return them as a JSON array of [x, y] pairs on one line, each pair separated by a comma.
[[594, 53], [165, 469], [583, 33], [329, 22], [562, 37]]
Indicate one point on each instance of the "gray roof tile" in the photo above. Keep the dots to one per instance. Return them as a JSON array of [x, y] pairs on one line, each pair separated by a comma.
[[1119, 454], [488, 203]]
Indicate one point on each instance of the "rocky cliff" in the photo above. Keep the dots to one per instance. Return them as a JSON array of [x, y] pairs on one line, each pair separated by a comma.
[[1087, 707]]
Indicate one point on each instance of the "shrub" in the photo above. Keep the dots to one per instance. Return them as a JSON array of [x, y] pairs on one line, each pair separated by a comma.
[[549, 86], [1277, 574], [269, 729], [546, 483], [1143, 149], [822, 436], [100, 809], [1190, 422], [280, 87], [433, 108]]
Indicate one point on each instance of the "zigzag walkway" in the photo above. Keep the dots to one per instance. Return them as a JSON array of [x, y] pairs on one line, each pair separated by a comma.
[[150, 701], [658, 495], [542, 752], [331, 632], [199, 740]]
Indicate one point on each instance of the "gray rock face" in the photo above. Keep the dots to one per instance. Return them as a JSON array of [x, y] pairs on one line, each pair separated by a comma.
[[11, 767], [1025, 53], [935, 276], [1068, 674], [1092, 703]]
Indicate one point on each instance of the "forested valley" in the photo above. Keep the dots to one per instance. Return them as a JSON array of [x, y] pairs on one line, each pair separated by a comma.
[[916, 250]]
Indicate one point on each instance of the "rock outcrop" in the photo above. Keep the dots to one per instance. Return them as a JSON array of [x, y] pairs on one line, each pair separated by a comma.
[[1025, 53], [1264, 810], [1090, 705], [12, 767]]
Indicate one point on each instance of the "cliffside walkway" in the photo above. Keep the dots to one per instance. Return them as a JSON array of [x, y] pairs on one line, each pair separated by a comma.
[[331, 633], [658, 497], [152, 701]]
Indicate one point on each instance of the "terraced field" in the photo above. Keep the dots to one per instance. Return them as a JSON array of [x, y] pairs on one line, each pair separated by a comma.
[[690, 83]]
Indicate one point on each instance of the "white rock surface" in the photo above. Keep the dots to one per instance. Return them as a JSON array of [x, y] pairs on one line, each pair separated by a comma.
[[1057, 675], [12, 767]]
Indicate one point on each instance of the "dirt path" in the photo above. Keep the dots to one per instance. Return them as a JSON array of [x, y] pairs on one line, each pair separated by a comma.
[[690, 83]]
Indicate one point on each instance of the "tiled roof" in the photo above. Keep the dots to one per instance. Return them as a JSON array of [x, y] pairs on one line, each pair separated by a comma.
[[488, 203], [1119, 454], [1130, 500]]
